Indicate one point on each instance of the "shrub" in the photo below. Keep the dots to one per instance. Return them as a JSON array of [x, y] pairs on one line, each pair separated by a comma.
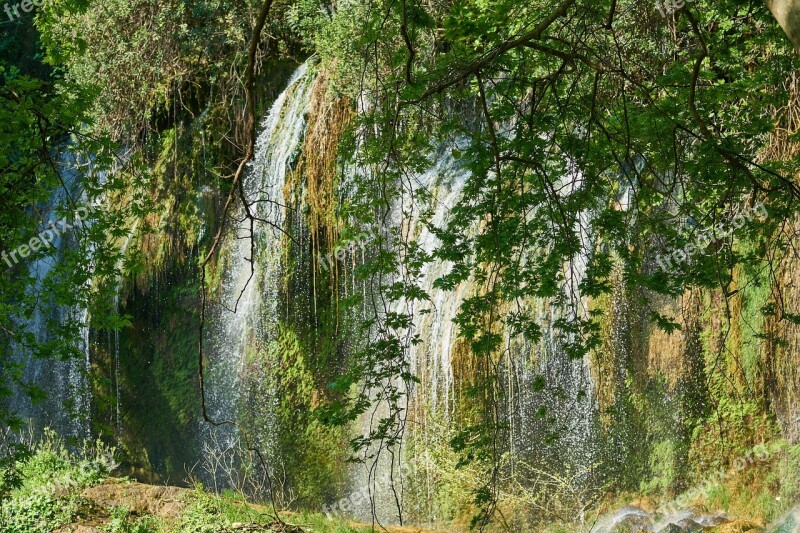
[[47, 480]]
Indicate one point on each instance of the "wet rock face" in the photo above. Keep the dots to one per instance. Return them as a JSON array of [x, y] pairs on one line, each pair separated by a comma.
[[687, 524], [632, 519], [788, 524]]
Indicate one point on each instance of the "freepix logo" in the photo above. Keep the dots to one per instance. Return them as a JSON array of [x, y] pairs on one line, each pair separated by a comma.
[[340, 251], [703, 239], [12, 10], [45, 238]]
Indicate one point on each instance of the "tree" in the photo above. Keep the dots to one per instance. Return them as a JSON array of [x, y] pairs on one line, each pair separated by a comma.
[[645, 127], [787, 13]]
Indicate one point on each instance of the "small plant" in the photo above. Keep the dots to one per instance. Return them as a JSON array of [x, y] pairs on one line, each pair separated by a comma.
[[203, 516], [123, 522], [44, 482]]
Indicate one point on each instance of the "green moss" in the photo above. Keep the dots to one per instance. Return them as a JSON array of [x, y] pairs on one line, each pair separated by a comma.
[[160, 391], [312, 455], [209, 514], [438, 486], [756, 297], [190, 160], [122, 521], [664, 468]]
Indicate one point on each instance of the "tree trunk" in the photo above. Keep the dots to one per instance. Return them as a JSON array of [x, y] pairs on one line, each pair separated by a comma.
[[787, 13]]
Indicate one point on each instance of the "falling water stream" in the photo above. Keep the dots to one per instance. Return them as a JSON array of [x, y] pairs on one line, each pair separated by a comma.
[[568, 400], [243, 317], [243, 310], [67, 405]]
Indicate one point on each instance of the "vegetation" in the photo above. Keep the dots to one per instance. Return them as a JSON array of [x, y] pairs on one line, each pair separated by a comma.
[[40, 489], [626, 210], [601, 134], [44, 491]]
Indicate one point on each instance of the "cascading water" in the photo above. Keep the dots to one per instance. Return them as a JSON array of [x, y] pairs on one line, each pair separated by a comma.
[[430, 361], [568, 398], [242, 319], [66, 407], [376, 488]]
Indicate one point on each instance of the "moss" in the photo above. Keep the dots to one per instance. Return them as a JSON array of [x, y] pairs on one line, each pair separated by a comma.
[[314, 455], [160, 399], [189, 158], [756, 296]]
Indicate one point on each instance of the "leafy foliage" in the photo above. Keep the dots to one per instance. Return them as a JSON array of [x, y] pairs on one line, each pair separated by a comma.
[[598, 134], [45, 496]]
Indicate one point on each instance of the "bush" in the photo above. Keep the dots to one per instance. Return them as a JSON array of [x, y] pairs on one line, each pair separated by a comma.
[[46, 482]]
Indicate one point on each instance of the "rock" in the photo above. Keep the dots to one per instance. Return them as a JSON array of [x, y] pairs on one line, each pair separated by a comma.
[[740, 526], [712, 520], [691, 520], [636, 519], [689, 525], [139, 499], [631, 519]]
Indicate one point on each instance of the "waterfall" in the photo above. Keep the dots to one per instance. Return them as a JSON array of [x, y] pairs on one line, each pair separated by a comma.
[[568, 397], [243, 317], [67, 405], [430, 360]]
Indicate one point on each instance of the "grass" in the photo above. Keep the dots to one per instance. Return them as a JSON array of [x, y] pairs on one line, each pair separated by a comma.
[[40, 491], [208, 513], [44, 488], [39, 488]]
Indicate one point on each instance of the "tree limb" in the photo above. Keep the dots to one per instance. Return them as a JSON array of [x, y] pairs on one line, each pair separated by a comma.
[[478, 64]]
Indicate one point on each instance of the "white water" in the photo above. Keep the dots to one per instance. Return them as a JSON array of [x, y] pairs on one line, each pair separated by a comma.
[[569, 395], [242, 319], [67, 406], [431, 360]]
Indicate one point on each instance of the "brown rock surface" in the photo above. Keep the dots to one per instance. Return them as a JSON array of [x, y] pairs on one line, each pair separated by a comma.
[[740, 526], [139, 499], [78, 528]]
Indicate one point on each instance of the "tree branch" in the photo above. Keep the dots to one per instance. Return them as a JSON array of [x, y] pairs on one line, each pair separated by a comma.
[[478, 64]]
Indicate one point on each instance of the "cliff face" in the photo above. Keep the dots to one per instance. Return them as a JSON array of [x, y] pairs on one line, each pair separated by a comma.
[[504, 262], [642, 413], [299, 292]]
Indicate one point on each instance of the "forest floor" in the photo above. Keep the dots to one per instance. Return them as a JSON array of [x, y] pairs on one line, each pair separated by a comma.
[[123, 506], [54, 489]]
